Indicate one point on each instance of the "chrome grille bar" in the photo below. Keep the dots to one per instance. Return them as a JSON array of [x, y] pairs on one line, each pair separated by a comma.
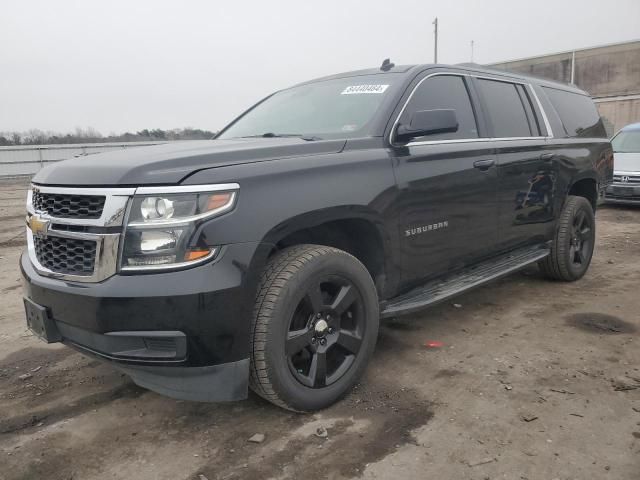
[[628, 179]]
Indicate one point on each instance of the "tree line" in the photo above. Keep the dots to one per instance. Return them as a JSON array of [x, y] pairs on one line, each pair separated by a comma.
[[91, 135]]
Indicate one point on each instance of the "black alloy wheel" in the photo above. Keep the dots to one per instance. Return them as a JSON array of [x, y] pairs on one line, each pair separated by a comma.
[[573, 242], [314, 327], [325, 332], [581, 239]]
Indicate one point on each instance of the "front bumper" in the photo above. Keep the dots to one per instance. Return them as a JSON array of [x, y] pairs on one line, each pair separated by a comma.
[[622, 193], [184, 334]]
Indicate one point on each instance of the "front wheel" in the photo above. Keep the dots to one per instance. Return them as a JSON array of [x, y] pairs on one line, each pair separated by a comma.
[[314, 327], [572, 246]]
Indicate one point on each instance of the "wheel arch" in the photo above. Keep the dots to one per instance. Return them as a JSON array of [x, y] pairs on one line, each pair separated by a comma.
[[586, 187], [356, 230]]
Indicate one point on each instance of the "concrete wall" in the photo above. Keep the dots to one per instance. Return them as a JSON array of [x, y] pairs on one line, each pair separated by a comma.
[[616, 114], [608, 71], [18, 160]]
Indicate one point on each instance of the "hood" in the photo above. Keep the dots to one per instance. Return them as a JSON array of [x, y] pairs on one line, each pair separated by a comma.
[[626, 162], [170, 163]]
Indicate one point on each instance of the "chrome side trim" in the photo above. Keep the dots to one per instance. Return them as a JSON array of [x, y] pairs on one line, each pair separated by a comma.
[[186, 189], [472, 140], [468, 140]]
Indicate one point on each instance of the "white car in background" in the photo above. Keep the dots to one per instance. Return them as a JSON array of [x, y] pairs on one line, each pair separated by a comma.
[[626, 163]]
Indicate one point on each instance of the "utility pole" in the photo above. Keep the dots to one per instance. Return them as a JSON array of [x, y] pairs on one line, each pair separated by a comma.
[[471, 51], [435, 46]]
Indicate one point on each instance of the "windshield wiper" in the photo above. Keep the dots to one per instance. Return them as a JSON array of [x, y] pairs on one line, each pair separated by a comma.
[[273, 135], [308, 138]]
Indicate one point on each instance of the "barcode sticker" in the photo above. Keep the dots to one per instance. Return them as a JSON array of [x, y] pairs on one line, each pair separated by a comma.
[[359, 89]]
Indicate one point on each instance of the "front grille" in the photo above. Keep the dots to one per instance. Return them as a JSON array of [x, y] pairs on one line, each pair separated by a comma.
[[68, 206], [629, 179], [66, 255], [81, 229]]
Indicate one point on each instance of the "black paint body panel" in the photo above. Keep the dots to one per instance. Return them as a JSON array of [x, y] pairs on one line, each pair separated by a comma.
[[289, 184]]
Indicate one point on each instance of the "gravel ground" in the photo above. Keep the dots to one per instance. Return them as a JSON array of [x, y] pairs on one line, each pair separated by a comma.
[[535, 380]]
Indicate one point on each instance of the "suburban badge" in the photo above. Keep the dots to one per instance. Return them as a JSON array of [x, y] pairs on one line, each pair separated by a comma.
[[410, 232]]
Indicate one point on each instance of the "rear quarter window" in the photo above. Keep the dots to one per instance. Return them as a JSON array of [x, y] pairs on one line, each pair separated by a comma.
[[577, 112]]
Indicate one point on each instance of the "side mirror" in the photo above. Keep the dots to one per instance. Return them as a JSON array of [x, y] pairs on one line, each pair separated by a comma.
[[428, 122]]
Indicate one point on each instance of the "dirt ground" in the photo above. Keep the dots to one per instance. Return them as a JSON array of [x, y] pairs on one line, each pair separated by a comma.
[[535, 380]]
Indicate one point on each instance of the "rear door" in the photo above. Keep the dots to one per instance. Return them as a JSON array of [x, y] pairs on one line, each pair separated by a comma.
[[447, 184], [527, 170]]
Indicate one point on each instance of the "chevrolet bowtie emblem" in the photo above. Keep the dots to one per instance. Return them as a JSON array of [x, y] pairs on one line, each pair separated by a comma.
[[38, 226]]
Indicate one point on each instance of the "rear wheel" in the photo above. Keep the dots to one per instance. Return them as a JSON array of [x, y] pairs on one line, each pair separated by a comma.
[[314, 327], [573, 244]]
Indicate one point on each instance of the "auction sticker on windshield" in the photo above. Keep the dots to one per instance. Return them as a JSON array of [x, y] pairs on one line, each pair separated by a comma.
[[357, 89]]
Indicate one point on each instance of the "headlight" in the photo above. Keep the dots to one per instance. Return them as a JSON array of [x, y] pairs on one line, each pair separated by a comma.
[[162, 220], [156, 207]]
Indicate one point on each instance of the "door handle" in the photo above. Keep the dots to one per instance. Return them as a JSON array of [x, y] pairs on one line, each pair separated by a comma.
[[484, 164], [546, 157]]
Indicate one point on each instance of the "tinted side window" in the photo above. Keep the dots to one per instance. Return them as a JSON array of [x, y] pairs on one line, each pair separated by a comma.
[[444, 92], [505, 108], [577, 112]]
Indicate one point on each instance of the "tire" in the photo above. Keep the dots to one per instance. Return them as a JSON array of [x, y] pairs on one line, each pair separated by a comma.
[[574, 241], [314, 304]]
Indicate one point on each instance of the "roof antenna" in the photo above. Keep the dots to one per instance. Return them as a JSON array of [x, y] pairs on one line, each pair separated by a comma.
[[387, 65]]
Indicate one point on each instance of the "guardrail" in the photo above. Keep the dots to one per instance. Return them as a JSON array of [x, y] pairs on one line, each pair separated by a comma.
[[21, 160]]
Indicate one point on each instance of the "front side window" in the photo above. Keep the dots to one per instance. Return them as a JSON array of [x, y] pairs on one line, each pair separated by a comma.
[[627, 142], [338, 108], [447, 92], [506, 109]]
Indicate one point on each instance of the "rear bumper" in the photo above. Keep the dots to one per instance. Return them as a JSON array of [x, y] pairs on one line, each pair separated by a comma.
[[184, 334]]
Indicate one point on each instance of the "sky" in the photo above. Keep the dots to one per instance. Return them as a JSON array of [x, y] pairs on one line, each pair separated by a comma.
[[122, 66]]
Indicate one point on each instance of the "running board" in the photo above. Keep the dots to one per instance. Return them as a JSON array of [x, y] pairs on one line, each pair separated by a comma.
[[439, 290]]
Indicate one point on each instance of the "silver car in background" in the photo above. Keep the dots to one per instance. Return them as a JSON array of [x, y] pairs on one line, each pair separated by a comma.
[[626, 163]]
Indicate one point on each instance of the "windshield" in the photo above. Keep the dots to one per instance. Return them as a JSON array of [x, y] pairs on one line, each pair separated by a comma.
[[341, 108], [627, 142]]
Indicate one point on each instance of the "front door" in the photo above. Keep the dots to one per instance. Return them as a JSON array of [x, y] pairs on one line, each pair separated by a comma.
[[447, 186]]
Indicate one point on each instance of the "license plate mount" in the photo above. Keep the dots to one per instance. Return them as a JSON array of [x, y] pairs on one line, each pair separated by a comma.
[[40, 323], [623, 191]]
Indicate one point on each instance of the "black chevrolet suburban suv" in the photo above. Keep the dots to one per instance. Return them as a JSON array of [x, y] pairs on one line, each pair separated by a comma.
[[266, 256]]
